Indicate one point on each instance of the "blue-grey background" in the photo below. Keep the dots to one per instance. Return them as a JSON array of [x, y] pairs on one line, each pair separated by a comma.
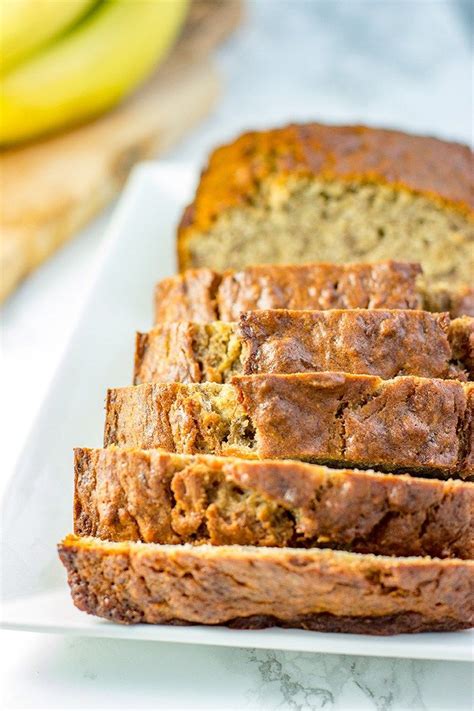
[[396, 63]]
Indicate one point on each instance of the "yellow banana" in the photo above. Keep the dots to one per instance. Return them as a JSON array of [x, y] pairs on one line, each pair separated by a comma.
[[89, 69], [27, 25]]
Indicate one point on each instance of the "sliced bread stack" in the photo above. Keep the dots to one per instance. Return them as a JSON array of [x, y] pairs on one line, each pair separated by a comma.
[[237, 482]]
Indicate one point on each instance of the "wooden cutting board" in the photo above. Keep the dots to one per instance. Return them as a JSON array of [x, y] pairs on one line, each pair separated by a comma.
[[51, 188]]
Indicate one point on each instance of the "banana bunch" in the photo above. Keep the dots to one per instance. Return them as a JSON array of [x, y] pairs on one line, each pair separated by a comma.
[[64, 61]]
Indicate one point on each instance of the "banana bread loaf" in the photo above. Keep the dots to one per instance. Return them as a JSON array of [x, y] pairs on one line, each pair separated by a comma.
[[251, 587], [334, 193], [375, 342], [203, 295], [158, 497], [411, 423]]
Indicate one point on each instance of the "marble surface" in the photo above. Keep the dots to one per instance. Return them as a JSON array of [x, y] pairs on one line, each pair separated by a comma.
[[63, 673], [404, 63]]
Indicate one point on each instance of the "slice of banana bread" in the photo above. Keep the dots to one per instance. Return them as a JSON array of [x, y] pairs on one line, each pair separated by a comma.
[[251, 587], [337, 193], [374, 342], [411, 423], [203, 295], [158, 497]]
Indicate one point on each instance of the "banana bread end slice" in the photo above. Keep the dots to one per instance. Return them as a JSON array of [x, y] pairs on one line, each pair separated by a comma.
[[249, 587]]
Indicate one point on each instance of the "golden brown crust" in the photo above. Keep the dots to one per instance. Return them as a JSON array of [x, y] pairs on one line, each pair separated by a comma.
[[438, 170], [380, 342], [187, 297], [167, 354], [203, 295], [158, 497], [386, 284], [411, 423], [372, 342], [136, 582]]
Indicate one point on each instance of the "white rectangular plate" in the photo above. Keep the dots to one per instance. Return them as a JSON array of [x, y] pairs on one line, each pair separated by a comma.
[[36, 511]]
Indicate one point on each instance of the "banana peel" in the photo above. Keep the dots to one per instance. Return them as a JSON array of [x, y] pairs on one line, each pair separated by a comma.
[[27, 25], [89, 69], [53, 187]]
